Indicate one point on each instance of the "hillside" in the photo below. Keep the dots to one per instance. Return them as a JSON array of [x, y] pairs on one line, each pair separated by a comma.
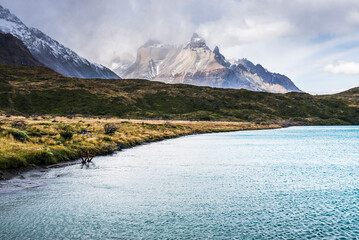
[[350, 96], [13, 51], [39, 90]]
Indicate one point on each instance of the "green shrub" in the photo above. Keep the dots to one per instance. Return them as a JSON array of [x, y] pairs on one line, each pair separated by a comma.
[[19, 135], [64, 155], [42, 157], [67, 133], [107, 139], [12, 162]]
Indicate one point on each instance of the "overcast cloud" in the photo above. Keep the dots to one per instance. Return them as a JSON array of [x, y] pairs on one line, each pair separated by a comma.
[[351, 68], [309, 41]]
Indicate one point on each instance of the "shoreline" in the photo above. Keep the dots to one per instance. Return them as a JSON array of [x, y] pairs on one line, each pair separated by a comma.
[[13, 173], [146, 131]]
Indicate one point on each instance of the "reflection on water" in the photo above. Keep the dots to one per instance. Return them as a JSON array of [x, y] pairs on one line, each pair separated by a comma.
[[299, 182]]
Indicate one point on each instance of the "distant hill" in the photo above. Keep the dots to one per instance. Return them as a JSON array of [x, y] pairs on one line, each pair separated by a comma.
[[39, 90], [50, 52], [195, 63], [350, 96], [13, 51]]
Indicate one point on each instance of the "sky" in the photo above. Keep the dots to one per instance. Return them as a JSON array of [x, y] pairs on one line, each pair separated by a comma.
[[314, 43]]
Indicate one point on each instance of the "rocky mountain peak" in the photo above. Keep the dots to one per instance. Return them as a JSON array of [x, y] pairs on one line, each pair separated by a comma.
[[216, 50], [8, 16], [195, 63], [197, 42], [196, 38], [153, 43], [220, 58]]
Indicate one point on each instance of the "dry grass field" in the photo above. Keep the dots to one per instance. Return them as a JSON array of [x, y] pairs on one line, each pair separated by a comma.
[[48, 140]]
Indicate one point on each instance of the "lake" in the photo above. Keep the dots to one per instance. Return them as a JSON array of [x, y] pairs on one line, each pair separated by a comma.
[[291, 183]]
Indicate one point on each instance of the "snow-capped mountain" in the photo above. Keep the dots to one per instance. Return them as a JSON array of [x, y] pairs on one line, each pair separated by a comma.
[[195, 63], [50, 52], [122, 62]]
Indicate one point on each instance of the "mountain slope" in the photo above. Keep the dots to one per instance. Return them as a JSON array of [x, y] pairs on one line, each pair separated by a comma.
[[13, 51], [50, 52], [39, 90], [350, 96], [195, 63]]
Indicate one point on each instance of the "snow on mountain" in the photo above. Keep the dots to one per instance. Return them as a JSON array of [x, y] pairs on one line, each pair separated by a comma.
[[195, 63], [50, 52]]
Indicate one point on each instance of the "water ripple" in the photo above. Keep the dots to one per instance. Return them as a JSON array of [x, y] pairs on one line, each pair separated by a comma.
[[294, 183]]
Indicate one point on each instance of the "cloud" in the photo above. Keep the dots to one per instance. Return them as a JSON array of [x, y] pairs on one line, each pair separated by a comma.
[[349, 68], [261, 20], [296, 38]]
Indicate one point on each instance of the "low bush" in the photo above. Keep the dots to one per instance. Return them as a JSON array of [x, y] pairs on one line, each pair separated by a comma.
[[12, 162], [18, 124], [19, 135], [67, 133], [34, 132], [41, 157], [107, 139], [110, 128], [64, 155]]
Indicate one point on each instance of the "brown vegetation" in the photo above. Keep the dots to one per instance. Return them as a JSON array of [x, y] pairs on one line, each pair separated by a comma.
[[47, 146]]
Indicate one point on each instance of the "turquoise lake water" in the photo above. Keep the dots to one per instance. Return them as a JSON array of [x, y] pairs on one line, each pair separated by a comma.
[[293, 183]]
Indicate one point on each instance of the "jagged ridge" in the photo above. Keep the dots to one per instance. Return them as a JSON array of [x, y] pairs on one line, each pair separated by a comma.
[[50, 52], [195, 63]]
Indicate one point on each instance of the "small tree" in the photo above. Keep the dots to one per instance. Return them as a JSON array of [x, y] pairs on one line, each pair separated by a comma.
[[110, 128]]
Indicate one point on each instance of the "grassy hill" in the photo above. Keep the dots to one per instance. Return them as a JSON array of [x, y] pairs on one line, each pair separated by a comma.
[[38, 90], [350, 96]]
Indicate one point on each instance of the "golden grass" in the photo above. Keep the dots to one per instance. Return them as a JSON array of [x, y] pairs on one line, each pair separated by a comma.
[[45, 145]]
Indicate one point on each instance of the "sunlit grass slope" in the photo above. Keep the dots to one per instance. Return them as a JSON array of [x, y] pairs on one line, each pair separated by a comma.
[[39, 90]]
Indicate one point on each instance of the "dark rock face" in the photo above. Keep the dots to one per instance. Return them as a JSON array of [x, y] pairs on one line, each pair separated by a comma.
[[13, 51], [220, 58], [266, 76], [50, 52]]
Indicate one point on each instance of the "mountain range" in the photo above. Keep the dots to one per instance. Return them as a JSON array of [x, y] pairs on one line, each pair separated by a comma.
[[48, 51], [191, 63], [195, 63]]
